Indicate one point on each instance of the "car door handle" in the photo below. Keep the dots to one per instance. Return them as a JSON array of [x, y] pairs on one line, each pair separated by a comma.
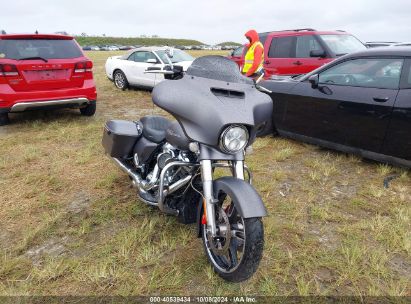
[[297, 62], [381, 99], [267, 62]]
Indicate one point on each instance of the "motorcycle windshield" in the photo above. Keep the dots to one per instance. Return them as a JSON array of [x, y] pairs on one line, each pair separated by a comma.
[[217, 68], [211, 96]]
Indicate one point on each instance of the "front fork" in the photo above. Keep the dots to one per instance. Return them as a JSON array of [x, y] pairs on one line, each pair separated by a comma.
[[209, 200]]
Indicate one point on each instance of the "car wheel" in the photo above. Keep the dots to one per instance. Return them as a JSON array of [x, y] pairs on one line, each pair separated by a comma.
[[120, 80], [4, 119], [89, 110]]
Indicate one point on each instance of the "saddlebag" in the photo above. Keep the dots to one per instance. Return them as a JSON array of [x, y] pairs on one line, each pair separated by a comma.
[[120, 136]]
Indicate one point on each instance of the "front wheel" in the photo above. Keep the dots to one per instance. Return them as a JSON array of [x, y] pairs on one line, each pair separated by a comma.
[[236, 251]]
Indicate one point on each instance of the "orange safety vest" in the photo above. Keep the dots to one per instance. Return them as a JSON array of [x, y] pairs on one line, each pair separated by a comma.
[[249, 58]]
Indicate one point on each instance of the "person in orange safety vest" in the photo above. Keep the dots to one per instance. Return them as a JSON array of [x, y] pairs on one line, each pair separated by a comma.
[[254, 58]]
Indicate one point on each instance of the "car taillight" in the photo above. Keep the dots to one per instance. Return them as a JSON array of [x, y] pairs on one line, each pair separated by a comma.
[[82, 67], [8, 70]]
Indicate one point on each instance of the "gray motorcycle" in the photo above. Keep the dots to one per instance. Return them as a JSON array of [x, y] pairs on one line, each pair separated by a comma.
[[218, 113]]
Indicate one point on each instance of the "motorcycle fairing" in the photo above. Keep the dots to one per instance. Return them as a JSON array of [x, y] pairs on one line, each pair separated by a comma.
[[212, 95]]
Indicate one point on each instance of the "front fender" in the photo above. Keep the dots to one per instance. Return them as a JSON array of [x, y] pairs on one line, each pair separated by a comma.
[[246, 199]]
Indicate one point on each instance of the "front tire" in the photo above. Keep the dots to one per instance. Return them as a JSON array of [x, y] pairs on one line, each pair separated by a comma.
[[120, 80], [245, 247], [4, 119]]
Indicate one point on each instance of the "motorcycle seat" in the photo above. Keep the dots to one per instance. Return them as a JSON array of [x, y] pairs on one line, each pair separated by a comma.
[[154, 127]]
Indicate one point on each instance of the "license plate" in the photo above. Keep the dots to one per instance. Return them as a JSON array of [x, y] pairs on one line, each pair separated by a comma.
[[45, 75]]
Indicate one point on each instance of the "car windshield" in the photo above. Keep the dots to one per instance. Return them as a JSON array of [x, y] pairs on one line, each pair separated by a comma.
[[39, 48], [178, 56], [343, 44]]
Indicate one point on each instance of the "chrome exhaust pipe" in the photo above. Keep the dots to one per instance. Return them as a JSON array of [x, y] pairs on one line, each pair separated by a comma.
[[138, 182], [144, 185], [136, 178]]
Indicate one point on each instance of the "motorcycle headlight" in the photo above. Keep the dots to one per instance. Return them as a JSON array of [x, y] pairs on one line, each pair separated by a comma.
[[233, 139]]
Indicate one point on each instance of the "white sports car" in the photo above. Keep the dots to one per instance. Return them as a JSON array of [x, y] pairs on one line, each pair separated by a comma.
[[129, 69]]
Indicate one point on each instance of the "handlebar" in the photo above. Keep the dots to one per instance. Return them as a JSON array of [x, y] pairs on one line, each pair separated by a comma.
[[262, 89], [174, 72], [258, 87]]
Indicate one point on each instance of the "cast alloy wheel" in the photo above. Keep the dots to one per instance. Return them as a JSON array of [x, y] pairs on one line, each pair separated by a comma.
[[120, 80], [236, 250]]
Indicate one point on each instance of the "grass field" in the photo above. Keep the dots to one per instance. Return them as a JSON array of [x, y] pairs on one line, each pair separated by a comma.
[[90, 40], [71, 225]]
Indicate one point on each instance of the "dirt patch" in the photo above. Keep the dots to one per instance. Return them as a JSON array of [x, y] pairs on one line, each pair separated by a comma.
[[324, 274], [326, 236], [52, 248], [5, 237], [342, 191], [401, 265], [80, 202]]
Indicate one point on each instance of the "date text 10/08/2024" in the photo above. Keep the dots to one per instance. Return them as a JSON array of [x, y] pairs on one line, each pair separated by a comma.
[[234, 299]]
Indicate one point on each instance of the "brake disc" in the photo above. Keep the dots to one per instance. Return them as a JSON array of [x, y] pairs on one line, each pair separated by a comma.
[[220, 244]]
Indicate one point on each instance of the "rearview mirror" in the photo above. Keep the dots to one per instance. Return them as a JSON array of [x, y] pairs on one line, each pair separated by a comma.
[[169, 52], [317, 53], [151, 60], [314, 80]]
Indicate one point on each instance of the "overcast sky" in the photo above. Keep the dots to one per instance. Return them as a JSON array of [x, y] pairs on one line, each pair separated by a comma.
[[210, 21]]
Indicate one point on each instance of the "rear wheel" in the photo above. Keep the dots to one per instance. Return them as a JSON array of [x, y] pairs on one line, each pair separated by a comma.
[[4, 119], [89, 110], [120, 80], [236, 251]]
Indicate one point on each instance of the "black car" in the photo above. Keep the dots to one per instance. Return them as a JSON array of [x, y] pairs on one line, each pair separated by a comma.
[[359, 103]]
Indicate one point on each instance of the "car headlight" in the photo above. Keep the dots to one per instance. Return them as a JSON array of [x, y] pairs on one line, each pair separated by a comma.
[[233, 139]]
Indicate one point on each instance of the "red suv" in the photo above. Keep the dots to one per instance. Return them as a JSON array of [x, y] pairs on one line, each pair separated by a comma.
[[44, 71], [299, 51]]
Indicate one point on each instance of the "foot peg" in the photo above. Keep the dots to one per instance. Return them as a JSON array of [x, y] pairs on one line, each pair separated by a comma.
[[147, 198]]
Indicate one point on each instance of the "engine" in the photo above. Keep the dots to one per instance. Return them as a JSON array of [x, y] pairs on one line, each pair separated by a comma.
[[166, 189], [167, 155], [171, 154]]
